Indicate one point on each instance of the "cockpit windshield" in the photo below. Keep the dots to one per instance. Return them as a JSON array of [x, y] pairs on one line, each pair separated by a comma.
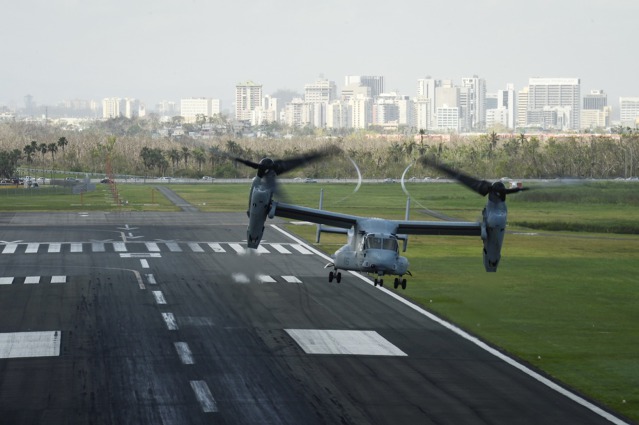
[[380, 242]]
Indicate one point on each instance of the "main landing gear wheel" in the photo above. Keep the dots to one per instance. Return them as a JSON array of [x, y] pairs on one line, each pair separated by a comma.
[[403, 283], [399, 282], [337, 276], [379, 282]]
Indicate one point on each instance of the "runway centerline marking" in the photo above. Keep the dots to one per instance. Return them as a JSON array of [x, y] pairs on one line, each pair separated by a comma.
[[159, 297], [184, 352], [169, 319], [204, 396], [144, 264]]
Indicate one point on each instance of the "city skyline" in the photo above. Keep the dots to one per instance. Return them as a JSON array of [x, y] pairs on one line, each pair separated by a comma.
[[67, 49]]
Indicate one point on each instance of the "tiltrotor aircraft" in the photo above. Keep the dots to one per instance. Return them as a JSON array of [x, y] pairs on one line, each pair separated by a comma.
[[373, 243]]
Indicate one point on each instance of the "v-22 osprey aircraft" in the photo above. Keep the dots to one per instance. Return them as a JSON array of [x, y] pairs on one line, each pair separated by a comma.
[[373, 243]]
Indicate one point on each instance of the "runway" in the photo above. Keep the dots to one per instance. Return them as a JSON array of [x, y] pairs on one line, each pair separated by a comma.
[[164, 318]]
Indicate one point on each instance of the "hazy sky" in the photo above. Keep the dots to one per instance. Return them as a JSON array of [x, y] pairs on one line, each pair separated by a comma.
[[169, 49]]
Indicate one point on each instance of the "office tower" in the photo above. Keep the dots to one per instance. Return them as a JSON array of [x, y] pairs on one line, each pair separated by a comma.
[[629, 111], [376, 83], [522, 108], [476, 102], [507, 100], [426, 89], [596, 99], [554, 103], [248, 96], [321, 90], [112, 107], [194, 107]]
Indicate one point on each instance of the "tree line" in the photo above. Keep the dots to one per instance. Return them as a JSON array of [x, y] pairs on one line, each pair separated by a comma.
[[488, 155]]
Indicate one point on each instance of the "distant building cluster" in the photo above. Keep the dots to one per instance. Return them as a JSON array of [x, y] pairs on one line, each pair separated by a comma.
[[363, 102]]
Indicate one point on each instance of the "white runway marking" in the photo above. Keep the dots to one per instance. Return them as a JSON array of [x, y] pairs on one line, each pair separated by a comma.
[[240, 278], [32, 280], [291, 279], [152, 246], [76, 247], [216, 247], [169, 319], [54, 247], [151, 279], [204, 396], [299, 248], [237, 248], [6, 280], [173, 246], [364, 343], [32, 248], [119, 246], [184, 352], [29, 344], [10, 248], [58, 279], [144, 264], [279, 248], [265, 278], [159, 297], [262, 250], [195, 247], [97, 246]]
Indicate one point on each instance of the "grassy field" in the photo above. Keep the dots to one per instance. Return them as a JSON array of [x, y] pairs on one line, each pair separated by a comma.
[[563, 301]]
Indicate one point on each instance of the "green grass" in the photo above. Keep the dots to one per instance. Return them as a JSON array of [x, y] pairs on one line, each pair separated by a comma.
[[563, 301]]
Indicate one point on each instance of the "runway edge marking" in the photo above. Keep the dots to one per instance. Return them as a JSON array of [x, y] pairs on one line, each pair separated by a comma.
[[481, 344]]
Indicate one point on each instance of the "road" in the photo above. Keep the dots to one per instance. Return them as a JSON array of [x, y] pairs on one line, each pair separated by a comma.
[[164, 318]]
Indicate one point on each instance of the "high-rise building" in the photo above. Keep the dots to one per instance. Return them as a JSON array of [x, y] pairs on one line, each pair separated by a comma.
[[248, 96], [476, 102], [522, 108], [426, 89], [194, 107], [321, 90], [507, 100], [112, 107], [376, 83], [629, 111], [554, 97], [596, 99]]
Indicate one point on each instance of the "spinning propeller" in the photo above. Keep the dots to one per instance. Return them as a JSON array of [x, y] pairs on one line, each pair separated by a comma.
[[495, 190]]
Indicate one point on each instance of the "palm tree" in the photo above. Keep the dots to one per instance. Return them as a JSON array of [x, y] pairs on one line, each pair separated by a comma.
[[185, 155], [28, 151], [52, 148], [200, 157], [62, 142], [43, 148], [174, 156]]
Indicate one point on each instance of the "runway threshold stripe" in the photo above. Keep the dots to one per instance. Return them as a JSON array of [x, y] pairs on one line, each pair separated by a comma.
[[204, 396], [216, 247], [76, 247], [32, 248], [195, 247], [54, 247], [184, 352], [545, 381], [291, 279], [31, 280], [10, 248], [279, 248], [29, 344], [6, 280], [152, 247]]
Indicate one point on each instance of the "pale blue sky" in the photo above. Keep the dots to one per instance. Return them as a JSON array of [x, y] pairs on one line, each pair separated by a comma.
[[167, 49]]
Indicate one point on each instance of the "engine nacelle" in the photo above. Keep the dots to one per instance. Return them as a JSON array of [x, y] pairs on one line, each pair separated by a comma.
[[259, 208], [492, 232]]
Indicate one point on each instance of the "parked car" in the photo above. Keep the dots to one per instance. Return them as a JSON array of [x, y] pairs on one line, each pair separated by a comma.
[[106, 180]]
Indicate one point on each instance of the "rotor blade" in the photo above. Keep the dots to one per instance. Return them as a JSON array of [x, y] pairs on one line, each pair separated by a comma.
[[515, 190], [246, 162], [482, 187], [282, 166]]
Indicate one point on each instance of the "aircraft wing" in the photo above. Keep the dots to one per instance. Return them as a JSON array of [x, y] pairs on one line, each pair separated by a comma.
[[451, 228], [344, 221]]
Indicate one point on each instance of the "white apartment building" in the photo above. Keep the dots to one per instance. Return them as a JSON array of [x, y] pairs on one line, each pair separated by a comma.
[[112, 107], [595, 118], [629, 111], [562, 95], [374, 82], [362, 112], [448, 118], [476, 102], [522, 107], [422, 113], [248, 96], [194, 107], [426, 89], [320, 91], [339, 115], [507, 100]]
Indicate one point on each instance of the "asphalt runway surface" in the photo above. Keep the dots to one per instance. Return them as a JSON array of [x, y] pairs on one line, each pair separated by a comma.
[[164, 318]]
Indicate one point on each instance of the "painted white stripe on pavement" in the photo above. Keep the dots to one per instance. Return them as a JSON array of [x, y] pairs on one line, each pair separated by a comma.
[[263, 278], [364, 343], [32, 248], [76, 247], [58, 279], [29, 344], [262, 250], [152, 246], [204, 396], [195, 247], [279, 248], [32, 279], [54, 247], [169, 319], [6, 280], [10, 248], [159, 297], [144, 264], [119, 246], [173, 246], [481, 344], [97, 246], [291, 279], [216, 247], [184, 352], [300, 248], [151, 279], [237, 248], [240, 278]]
